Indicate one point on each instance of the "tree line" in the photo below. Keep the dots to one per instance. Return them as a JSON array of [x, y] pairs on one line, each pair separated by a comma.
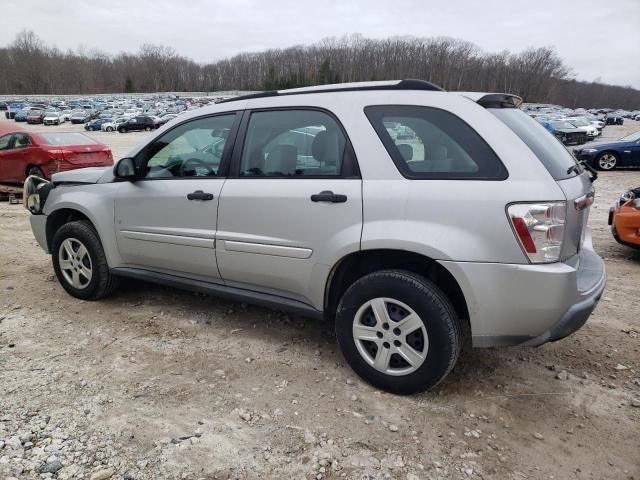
[[29, 66]]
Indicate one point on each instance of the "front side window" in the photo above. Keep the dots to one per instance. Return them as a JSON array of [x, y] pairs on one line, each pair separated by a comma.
[[292, 143], [429, 143], [193, 149]]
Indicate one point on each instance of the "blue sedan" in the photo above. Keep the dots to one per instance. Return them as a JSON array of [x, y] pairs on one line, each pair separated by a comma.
[[96, 124], [21, 116], [607, 156]]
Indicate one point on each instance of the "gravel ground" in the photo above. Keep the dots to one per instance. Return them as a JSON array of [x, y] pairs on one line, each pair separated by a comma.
[[158, 383]]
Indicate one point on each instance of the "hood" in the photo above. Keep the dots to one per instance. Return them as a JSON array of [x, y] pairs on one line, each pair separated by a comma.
[[569, 130], [604, 146], [80, 175]]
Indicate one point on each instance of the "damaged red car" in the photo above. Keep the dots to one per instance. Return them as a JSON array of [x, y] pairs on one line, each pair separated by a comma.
[[624, 219], [43, 154]]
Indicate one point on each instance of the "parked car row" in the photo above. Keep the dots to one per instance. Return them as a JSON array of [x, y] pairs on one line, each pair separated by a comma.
[[567, 124]]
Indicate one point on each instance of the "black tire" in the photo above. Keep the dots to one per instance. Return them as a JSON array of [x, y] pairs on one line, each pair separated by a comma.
[[444, 330], [109, 129], [147, 129], [37, 171], [102, 283]]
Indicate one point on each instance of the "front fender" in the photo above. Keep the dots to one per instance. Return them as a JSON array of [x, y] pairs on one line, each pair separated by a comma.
[[97, 203]]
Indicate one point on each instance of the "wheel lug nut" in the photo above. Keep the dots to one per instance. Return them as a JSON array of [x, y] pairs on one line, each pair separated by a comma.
[[397, 343], [386, 345], [397, 331], [379, 334], [385, 326]]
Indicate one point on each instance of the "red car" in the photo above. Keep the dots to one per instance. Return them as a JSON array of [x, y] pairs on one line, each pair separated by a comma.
[[35, 116], [42, 154]]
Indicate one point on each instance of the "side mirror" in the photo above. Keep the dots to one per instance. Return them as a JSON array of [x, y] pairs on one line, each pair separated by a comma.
[[126, 170]]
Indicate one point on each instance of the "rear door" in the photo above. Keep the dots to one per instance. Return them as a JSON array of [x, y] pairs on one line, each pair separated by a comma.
[[287, 210], [166, 221]]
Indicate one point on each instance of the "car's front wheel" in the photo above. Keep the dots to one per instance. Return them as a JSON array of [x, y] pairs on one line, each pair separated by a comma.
[[398, 331], [607, 161], [109, 129], [80, 262]]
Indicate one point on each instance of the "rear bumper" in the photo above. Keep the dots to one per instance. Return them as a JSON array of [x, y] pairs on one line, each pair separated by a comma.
[[527, 304]]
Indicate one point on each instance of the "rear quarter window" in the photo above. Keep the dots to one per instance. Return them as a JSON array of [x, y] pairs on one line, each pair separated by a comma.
[[553, 155], [430, 143]]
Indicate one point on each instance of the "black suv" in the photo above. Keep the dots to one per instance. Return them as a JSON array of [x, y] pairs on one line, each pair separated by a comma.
[[137, 123]]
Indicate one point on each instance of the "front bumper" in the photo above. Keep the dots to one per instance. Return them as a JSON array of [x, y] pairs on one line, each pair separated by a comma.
[[39, 229], [530, 304]]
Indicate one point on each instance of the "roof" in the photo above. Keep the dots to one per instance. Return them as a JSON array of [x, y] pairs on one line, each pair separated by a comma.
[[345, 87], [9, 127]]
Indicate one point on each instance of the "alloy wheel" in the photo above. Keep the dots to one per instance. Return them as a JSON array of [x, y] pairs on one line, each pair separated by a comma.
[[390, 336], [607, 161], [75, 263]]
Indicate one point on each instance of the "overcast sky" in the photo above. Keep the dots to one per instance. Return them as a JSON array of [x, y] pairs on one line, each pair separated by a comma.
[[598, 39]]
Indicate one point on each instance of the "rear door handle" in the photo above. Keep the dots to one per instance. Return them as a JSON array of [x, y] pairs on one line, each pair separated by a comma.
[[328, 196], [199, 195]]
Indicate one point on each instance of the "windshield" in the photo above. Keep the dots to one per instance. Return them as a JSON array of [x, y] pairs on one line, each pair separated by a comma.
[[69, 138], [557, 159], [632, 137], [578, 122], [564, 125]]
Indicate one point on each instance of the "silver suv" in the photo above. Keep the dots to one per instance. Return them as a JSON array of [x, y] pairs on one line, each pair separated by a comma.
[[415, 218]]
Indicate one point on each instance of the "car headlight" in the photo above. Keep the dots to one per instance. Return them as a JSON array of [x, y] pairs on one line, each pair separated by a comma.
[[589, 150], [31, 194]]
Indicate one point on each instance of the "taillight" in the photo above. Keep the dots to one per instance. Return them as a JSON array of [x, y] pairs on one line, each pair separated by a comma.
[[109, 154], [56, 157], [539, 228]]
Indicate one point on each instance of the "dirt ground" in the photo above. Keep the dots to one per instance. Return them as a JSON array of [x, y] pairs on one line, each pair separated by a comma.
[[158, 383]]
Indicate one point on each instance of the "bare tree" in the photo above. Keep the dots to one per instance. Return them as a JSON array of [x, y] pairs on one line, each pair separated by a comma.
[[28, 66]]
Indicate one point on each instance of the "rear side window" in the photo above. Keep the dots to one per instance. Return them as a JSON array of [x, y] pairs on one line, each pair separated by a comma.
[[430, 143], [293, 144], [67, 138], [553, 155]]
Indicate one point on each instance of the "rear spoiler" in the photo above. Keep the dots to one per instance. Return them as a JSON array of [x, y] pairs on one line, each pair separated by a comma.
[[493, 100]]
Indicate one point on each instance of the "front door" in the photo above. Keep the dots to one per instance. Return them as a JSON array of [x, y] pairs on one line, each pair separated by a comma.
[[166, 220], [7, 159], [293, 202], [635, 153], [14, 157]]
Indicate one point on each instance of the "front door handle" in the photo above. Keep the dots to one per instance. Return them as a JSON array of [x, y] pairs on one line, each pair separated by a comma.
[[328, 196], [199, 195]]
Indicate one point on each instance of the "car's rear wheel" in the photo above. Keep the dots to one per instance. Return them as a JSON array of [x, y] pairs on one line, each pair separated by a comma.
[[109, 129], [80, 262], [398, 331], [37, 171], [607, 161]]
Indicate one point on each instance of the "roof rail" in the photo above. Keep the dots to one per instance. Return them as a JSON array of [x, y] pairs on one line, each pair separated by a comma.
[[345, 87]]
